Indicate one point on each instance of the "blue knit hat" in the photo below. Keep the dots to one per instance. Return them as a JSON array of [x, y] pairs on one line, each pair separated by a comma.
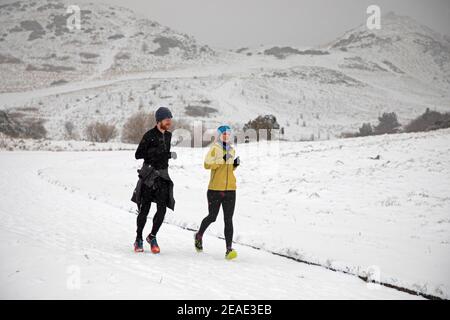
[[162, 113], [223, 128]]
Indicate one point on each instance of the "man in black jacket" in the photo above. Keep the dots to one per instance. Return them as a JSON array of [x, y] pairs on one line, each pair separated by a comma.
[[154, 148]]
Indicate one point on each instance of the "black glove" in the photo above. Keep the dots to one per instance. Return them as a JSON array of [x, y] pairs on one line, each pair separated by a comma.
[[236, 162], [172, 155], [227, 156]]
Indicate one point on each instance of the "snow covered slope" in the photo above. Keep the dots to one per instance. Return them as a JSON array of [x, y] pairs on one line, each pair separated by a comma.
[[331, 203], [38, 50], [307, 100], [61, 243], [120, 63]]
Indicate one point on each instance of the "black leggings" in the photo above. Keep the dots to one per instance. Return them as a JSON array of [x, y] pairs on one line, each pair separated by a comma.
[[227, 200], [158, 218]]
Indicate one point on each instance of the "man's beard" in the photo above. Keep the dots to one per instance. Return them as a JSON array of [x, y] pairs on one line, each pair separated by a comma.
[[164, 127]]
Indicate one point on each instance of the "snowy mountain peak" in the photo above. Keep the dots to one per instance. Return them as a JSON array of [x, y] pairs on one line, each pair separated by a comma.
[[394, 28], [401, 42]]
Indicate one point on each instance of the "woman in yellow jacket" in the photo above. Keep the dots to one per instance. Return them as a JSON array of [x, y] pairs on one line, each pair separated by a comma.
[[221, 160]]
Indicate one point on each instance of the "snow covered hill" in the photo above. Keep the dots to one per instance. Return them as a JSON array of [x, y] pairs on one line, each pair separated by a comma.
[[401, 46], [38, 50], [314, 93]]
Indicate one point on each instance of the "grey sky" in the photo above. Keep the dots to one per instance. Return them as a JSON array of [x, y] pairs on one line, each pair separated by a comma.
[[239, 23]]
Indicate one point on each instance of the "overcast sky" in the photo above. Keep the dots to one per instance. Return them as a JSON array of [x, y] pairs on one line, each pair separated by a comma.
[[239, 23]]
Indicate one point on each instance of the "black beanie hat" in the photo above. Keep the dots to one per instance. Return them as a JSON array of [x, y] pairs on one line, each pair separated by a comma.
[[162, 113]]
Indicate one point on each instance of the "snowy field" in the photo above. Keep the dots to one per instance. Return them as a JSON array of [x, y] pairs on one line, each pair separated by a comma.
[[51, 234], [342, 210], [67, 215]]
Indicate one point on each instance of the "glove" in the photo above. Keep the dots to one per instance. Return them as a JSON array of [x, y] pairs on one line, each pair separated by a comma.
[[172, 155], [236, 162], [227, 156]]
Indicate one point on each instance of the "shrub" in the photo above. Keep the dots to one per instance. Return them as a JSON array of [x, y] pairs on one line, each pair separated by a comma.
[[69, 130], [267, 122], [429, 120], [3, 141], [35, 129], [100, 132], [366, 130], [16, 126], [9, 126], [135, 127], [388, 123], [346, 135]]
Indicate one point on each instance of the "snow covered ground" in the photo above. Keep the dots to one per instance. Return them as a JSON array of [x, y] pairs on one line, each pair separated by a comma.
[[60, 243], [376, 207], [68, 213]]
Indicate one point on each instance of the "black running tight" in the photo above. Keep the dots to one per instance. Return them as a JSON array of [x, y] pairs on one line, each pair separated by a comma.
[[227, 200], [158, 218]]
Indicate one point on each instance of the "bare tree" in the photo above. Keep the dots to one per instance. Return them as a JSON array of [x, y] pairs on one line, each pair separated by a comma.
[[100, 132], [135, 127]]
